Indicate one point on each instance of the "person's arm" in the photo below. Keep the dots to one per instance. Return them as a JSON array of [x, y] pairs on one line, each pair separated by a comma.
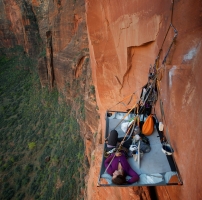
[[134, 176], [108, 163], [129, 171], [109, 166]]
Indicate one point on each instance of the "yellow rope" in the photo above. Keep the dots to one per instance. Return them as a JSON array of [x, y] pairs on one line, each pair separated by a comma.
[[126, 114]]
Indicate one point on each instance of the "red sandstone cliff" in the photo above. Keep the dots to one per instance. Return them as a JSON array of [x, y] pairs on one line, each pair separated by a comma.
[[124, 38], [54, 32]]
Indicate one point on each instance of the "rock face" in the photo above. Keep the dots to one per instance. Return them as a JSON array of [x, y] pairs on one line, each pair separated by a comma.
[[19, 26], [125, 38], [54, 32]]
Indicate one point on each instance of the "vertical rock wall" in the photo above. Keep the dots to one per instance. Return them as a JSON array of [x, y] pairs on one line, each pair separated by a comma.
[[124, 39], [54, 32], [18, 26]]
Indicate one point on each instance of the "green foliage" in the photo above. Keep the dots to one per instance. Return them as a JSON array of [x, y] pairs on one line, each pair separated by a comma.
[[29, 168], [31, 118], [31, 145], [25, 180], [81, 104], [92, 89], [95, 134], [8, 191], [92, 157], [20, 196], [42, 54]]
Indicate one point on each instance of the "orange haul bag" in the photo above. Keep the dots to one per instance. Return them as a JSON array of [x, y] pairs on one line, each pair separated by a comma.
[[148, 126]]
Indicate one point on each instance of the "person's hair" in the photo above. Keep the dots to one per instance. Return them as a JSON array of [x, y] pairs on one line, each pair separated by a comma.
[[119, 180]]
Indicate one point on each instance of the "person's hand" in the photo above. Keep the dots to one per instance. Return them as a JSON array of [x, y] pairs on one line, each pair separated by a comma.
[[117, 154]]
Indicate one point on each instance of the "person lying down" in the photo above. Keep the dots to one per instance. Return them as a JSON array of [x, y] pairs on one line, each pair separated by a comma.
[[117, 164]]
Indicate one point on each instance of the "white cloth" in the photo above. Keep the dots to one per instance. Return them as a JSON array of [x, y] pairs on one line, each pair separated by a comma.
[[150, 179], [161, 126], [125, 125]]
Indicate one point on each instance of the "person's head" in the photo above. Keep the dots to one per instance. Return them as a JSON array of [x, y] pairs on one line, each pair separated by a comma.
[[118, 178]]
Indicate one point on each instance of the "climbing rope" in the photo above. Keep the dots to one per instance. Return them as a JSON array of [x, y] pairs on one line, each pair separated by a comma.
[[119, 147], [153, 75], [126, 115], [156, 69]]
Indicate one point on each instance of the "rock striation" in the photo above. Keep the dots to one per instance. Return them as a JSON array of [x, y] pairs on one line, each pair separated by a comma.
[[98, 52], [124, 40], [55, 33]]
